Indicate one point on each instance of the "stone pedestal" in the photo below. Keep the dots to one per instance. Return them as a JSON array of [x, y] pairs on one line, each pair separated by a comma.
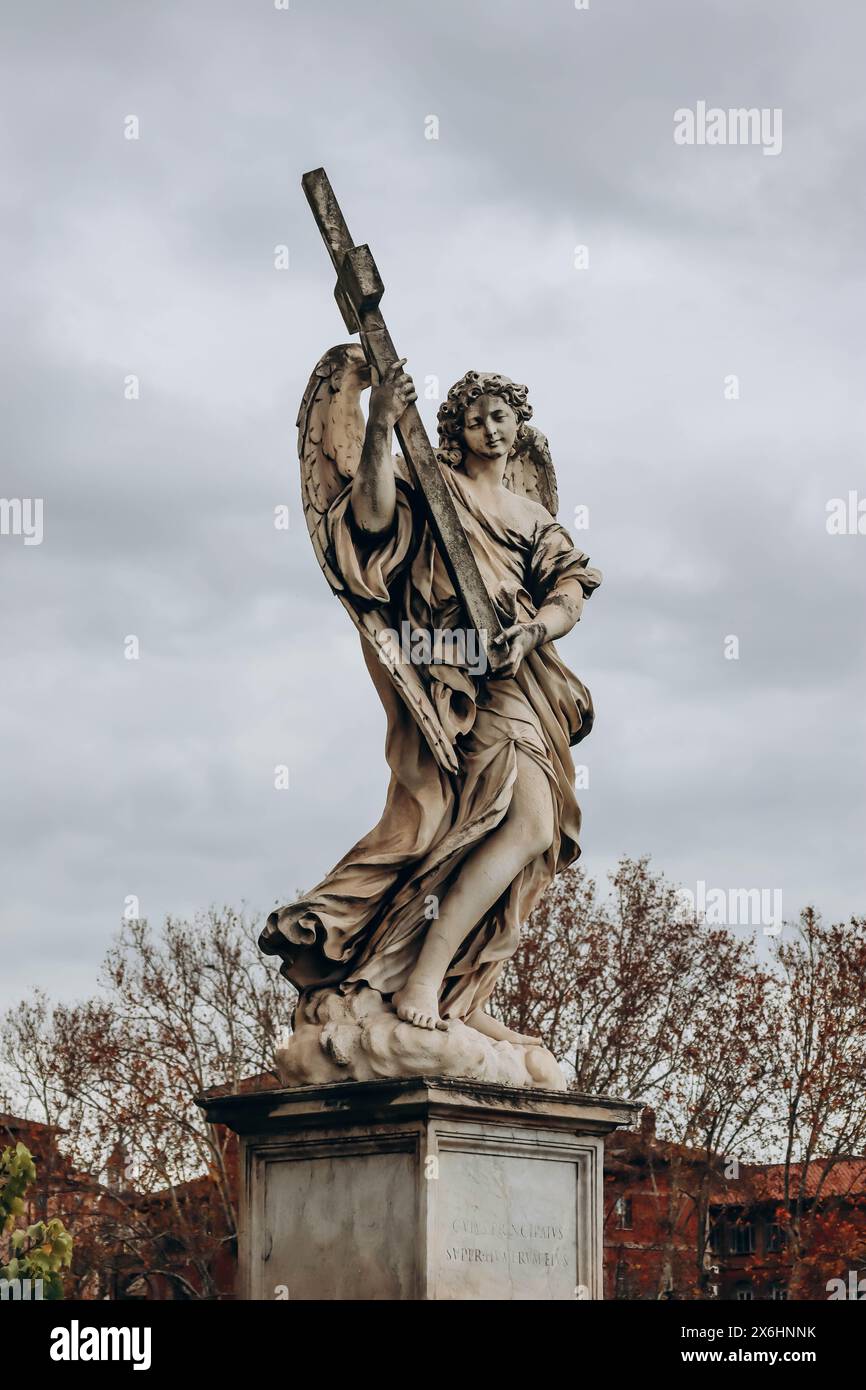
[[420, 1189]]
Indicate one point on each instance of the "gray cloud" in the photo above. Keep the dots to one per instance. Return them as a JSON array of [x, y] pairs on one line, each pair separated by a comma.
[[155, 257]]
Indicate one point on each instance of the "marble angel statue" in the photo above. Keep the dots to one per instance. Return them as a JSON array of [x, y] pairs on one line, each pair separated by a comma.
[[397, 951]]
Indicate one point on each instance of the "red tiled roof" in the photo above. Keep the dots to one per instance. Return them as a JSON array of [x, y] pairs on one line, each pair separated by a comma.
[[628, 1151], [766, 1181]]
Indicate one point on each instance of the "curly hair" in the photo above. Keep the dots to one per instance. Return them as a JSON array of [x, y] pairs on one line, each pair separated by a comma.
[[452, 411]]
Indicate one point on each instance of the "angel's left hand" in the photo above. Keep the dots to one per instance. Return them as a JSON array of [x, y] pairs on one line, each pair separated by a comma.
[[520, 640]]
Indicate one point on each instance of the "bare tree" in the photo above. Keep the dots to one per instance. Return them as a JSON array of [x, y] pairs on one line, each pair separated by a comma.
[[642, 1000], [819, 1076], [195, 1007], [608, 983]]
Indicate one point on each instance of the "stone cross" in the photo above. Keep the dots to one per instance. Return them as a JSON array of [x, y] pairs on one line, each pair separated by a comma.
[[358, 292]]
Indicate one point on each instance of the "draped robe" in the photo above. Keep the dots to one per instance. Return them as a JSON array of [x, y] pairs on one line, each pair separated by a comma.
[[365, 922]]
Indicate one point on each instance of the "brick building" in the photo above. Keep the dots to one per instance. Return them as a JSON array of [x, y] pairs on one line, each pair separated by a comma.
[[650, 1231], [655, 1190], [749, 1237]]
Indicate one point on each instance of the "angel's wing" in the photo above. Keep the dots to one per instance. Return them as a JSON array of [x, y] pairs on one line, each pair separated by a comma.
[[330, 440], [530, 471]]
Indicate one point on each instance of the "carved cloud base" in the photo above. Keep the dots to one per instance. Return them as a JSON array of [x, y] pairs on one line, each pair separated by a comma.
[[417, 1190], [358, 1037]]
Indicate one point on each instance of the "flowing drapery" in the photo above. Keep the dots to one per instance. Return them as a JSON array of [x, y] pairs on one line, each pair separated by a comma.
[[365, 922]]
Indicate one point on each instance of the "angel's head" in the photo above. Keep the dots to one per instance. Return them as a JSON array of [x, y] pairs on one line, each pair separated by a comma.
[[484, 414]]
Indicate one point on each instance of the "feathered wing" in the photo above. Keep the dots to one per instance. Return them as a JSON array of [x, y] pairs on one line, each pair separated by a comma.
[[330, 440], [530, 472]]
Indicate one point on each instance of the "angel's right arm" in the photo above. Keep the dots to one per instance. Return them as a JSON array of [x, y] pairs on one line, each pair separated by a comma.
[[374, 492]]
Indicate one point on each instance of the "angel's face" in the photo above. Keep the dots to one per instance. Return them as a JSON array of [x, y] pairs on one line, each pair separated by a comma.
[[489, 428]]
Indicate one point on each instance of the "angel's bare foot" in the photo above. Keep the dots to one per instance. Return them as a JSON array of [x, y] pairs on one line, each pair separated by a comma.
[[419, 1004], [492, 1028]]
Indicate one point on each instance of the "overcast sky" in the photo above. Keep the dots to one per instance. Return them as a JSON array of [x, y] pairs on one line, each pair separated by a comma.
[[707, 515]]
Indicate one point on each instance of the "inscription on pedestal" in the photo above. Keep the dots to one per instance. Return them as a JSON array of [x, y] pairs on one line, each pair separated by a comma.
[[506, 1227]]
